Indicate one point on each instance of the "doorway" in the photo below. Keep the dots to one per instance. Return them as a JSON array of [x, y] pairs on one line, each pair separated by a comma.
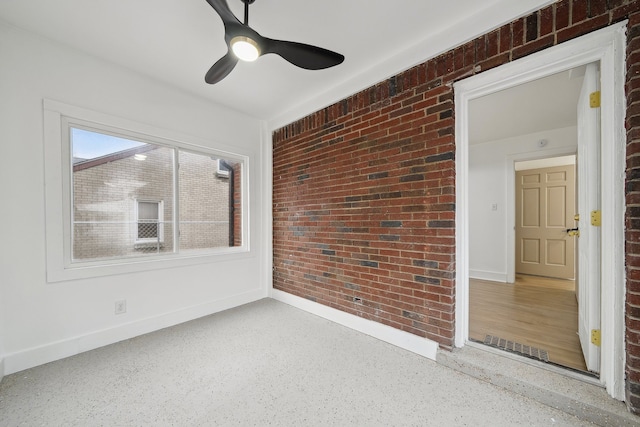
[[535, 312], [535, 315], [543, 212], [603, 47]]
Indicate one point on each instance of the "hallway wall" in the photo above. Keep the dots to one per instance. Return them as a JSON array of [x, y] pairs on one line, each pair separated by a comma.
[[489, 170]]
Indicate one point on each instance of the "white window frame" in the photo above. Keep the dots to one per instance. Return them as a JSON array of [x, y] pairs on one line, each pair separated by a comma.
[[58, 117]]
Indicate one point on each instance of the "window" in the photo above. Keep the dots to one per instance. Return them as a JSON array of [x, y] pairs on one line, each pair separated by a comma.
[[207, 203], [222, 168], [118, 190], [114, 175], [129, 195], [149, 218]]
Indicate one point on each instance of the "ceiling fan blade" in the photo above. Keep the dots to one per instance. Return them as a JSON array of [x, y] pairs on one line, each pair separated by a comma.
[[223, 10], [221, 68], [303, 55]]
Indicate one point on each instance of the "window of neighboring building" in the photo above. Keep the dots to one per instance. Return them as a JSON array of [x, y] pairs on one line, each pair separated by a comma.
[[133, 195], [149, 218]]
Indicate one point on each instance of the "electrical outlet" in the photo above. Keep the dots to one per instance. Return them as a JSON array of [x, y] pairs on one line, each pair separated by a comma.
[[121, 306]]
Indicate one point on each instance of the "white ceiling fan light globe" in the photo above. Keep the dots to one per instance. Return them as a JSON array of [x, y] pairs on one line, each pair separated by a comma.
[[245, 49]]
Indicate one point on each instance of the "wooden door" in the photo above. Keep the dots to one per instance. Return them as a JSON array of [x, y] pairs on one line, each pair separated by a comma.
[[545, 207]]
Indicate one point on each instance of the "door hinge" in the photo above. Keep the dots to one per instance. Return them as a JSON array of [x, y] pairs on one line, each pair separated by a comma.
[[595, 337], [594, 99], [596, 218]]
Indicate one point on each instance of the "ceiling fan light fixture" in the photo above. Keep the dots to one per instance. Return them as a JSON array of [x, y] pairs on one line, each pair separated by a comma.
[[245, 48], [246, 44]]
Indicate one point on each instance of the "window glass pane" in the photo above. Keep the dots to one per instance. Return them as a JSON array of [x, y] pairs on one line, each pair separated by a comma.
[[209, 191], [148, 220], [114, 180], [148, 210]]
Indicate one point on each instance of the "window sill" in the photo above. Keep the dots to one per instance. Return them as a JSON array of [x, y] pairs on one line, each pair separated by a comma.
[[141, 244], [90, 269]]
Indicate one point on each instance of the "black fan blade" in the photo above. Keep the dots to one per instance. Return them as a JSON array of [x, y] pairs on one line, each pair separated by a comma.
[[223, 10], [303, 55], [221, 69]]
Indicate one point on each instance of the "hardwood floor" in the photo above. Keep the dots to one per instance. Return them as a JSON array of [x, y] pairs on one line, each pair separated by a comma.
[[535, 311]]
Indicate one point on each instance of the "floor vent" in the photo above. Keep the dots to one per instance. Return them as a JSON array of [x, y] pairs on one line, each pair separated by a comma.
[[515, 347]]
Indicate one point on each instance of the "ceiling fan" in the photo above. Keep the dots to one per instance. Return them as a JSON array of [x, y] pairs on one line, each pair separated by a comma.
[[244, 43]]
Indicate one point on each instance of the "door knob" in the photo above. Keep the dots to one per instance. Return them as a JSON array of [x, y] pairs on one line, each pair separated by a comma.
[[573, 232]]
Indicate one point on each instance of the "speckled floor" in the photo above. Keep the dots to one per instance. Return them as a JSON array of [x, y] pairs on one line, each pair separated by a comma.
[[264, 363]]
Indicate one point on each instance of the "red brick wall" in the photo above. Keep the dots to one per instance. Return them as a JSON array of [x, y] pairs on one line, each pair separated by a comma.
[[237, 204], [364, 190], [632, 220], [363, 207]]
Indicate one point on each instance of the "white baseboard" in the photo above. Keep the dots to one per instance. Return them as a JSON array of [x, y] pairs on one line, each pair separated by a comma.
[[422, 346], [1, 369], [488, 275], [15, 362]]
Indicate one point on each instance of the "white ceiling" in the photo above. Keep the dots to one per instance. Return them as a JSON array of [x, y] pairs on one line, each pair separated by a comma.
[[176, 41], [544, 104]]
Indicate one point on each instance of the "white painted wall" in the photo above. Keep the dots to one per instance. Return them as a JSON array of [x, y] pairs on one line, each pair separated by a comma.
[[489, 167], [41, 321], [1, 332]]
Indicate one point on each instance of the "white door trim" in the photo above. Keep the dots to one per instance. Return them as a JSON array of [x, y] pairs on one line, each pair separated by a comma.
[[608, 47]]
